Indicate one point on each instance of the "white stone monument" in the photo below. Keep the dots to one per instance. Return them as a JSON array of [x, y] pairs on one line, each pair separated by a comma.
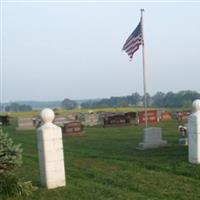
[[152, 138], [194, 133], [50, 149]]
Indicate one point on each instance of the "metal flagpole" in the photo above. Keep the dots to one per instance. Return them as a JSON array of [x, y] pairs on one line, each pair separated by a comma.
[[144, 71]]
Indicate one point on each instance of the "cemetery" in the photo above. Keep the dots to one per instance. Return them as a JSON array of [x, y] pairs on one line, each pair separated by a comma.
[[89, 110], [119, 162]]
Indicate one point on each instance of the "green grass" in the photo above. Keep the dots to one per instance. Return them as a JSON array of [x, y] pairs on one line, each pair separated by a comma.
[[104, 164]]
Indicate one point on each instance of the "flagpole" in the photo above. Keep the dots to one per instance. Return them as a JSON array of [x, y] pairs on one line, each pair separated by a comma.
[[144, 71]]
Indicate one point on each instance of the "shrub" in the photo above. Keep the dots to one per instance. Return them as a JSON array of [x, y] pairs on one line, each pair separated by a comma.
[[10, 185], [10, 154], [10, 159]]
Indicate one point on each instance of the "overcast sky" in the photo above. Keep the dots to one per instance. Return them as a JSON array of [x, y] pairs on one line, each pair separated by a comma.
[[53, 51]]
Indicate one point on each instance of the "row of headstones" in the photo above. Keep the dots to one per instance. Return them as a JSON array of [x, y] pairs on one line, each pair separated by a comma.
[[89, 119], [31, 123], [50, 145]]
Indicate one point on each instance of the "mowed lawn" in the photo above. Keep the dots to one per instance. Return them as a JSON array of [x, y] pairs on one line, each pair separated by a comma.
[[105, 164]]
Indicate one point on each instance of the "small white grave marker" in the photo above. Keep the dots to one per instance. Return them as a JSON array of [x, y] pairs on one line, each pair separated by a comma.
[[50, 149], [194, 133]]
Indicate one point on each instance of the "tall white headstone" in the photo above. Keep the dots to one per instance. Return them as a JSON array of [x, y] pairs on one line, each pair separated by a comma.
[[194, 133], [50, 149]]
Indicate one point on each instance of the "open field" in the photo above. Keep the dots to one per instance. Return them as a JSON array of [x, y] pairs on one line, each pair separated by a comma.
[[104, 164]]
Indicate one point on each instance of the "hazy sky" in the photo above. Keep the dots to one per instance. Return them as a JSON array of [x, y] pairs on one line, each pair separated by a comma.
[[53, 51]]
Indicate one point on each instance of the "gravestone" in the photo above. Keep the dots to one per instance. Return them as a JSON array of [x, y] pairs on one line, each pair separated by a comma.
[[183, 116], [183, 134], [73, 128], [5, 120], [166, 116], [152, 139], [91, 119], [132, 117], [59, 121], [151, 116], [72, 116], [194, 133], [25, 124], [115, 120], [50, 150]]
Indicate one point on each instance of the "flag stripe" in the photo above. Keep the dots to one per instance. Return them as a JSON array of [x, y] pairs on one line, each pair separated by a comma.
[[127, 44], [135, 42], [132, 49]]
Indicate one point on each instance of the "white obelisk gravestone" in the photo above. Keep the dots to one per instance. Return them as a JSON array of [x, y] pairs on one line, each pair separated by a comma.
[[194, 133], [50, 149]]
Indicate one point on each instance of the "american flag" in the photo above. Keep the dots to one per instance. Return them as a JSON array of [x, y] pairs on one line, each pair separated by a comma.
[[134, 41]]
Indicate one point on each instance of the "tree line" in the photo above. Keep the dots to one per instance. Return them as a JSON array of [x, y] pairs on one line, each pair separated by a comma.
[[15, 107], [160, 99], [182, 99]]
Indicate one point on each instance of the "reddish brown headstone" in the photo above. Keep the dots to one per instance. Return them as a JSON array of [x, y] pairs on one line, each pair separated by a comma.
[[151, 116], [116, 120], [72, 128], [166, 116], [183, 116]]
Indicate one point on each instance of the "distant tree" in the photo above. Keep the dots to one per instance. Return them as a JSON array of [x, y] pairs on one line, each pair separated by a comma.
[[169, 100], [175, 100], [158, 99], [136, 98], [15, 107], [185, 98], [24, 107], [149, 99], [69, 104]]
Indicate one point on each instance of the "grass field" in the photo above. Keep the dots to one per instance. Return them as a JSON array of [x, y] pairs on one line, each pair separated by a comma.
[[104, 164]]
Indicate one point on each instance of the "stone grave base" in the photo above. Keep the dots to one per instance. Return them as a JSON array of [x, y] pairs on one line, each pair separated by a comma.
[[152, 139], [183, 141]]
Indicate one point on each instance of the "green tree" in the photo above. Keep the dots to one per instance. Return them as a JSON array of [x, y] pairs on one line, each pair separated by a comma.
[[69, 104], [136, 98], [158, 99], [15, 107], [10, 154], [149, 99]]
